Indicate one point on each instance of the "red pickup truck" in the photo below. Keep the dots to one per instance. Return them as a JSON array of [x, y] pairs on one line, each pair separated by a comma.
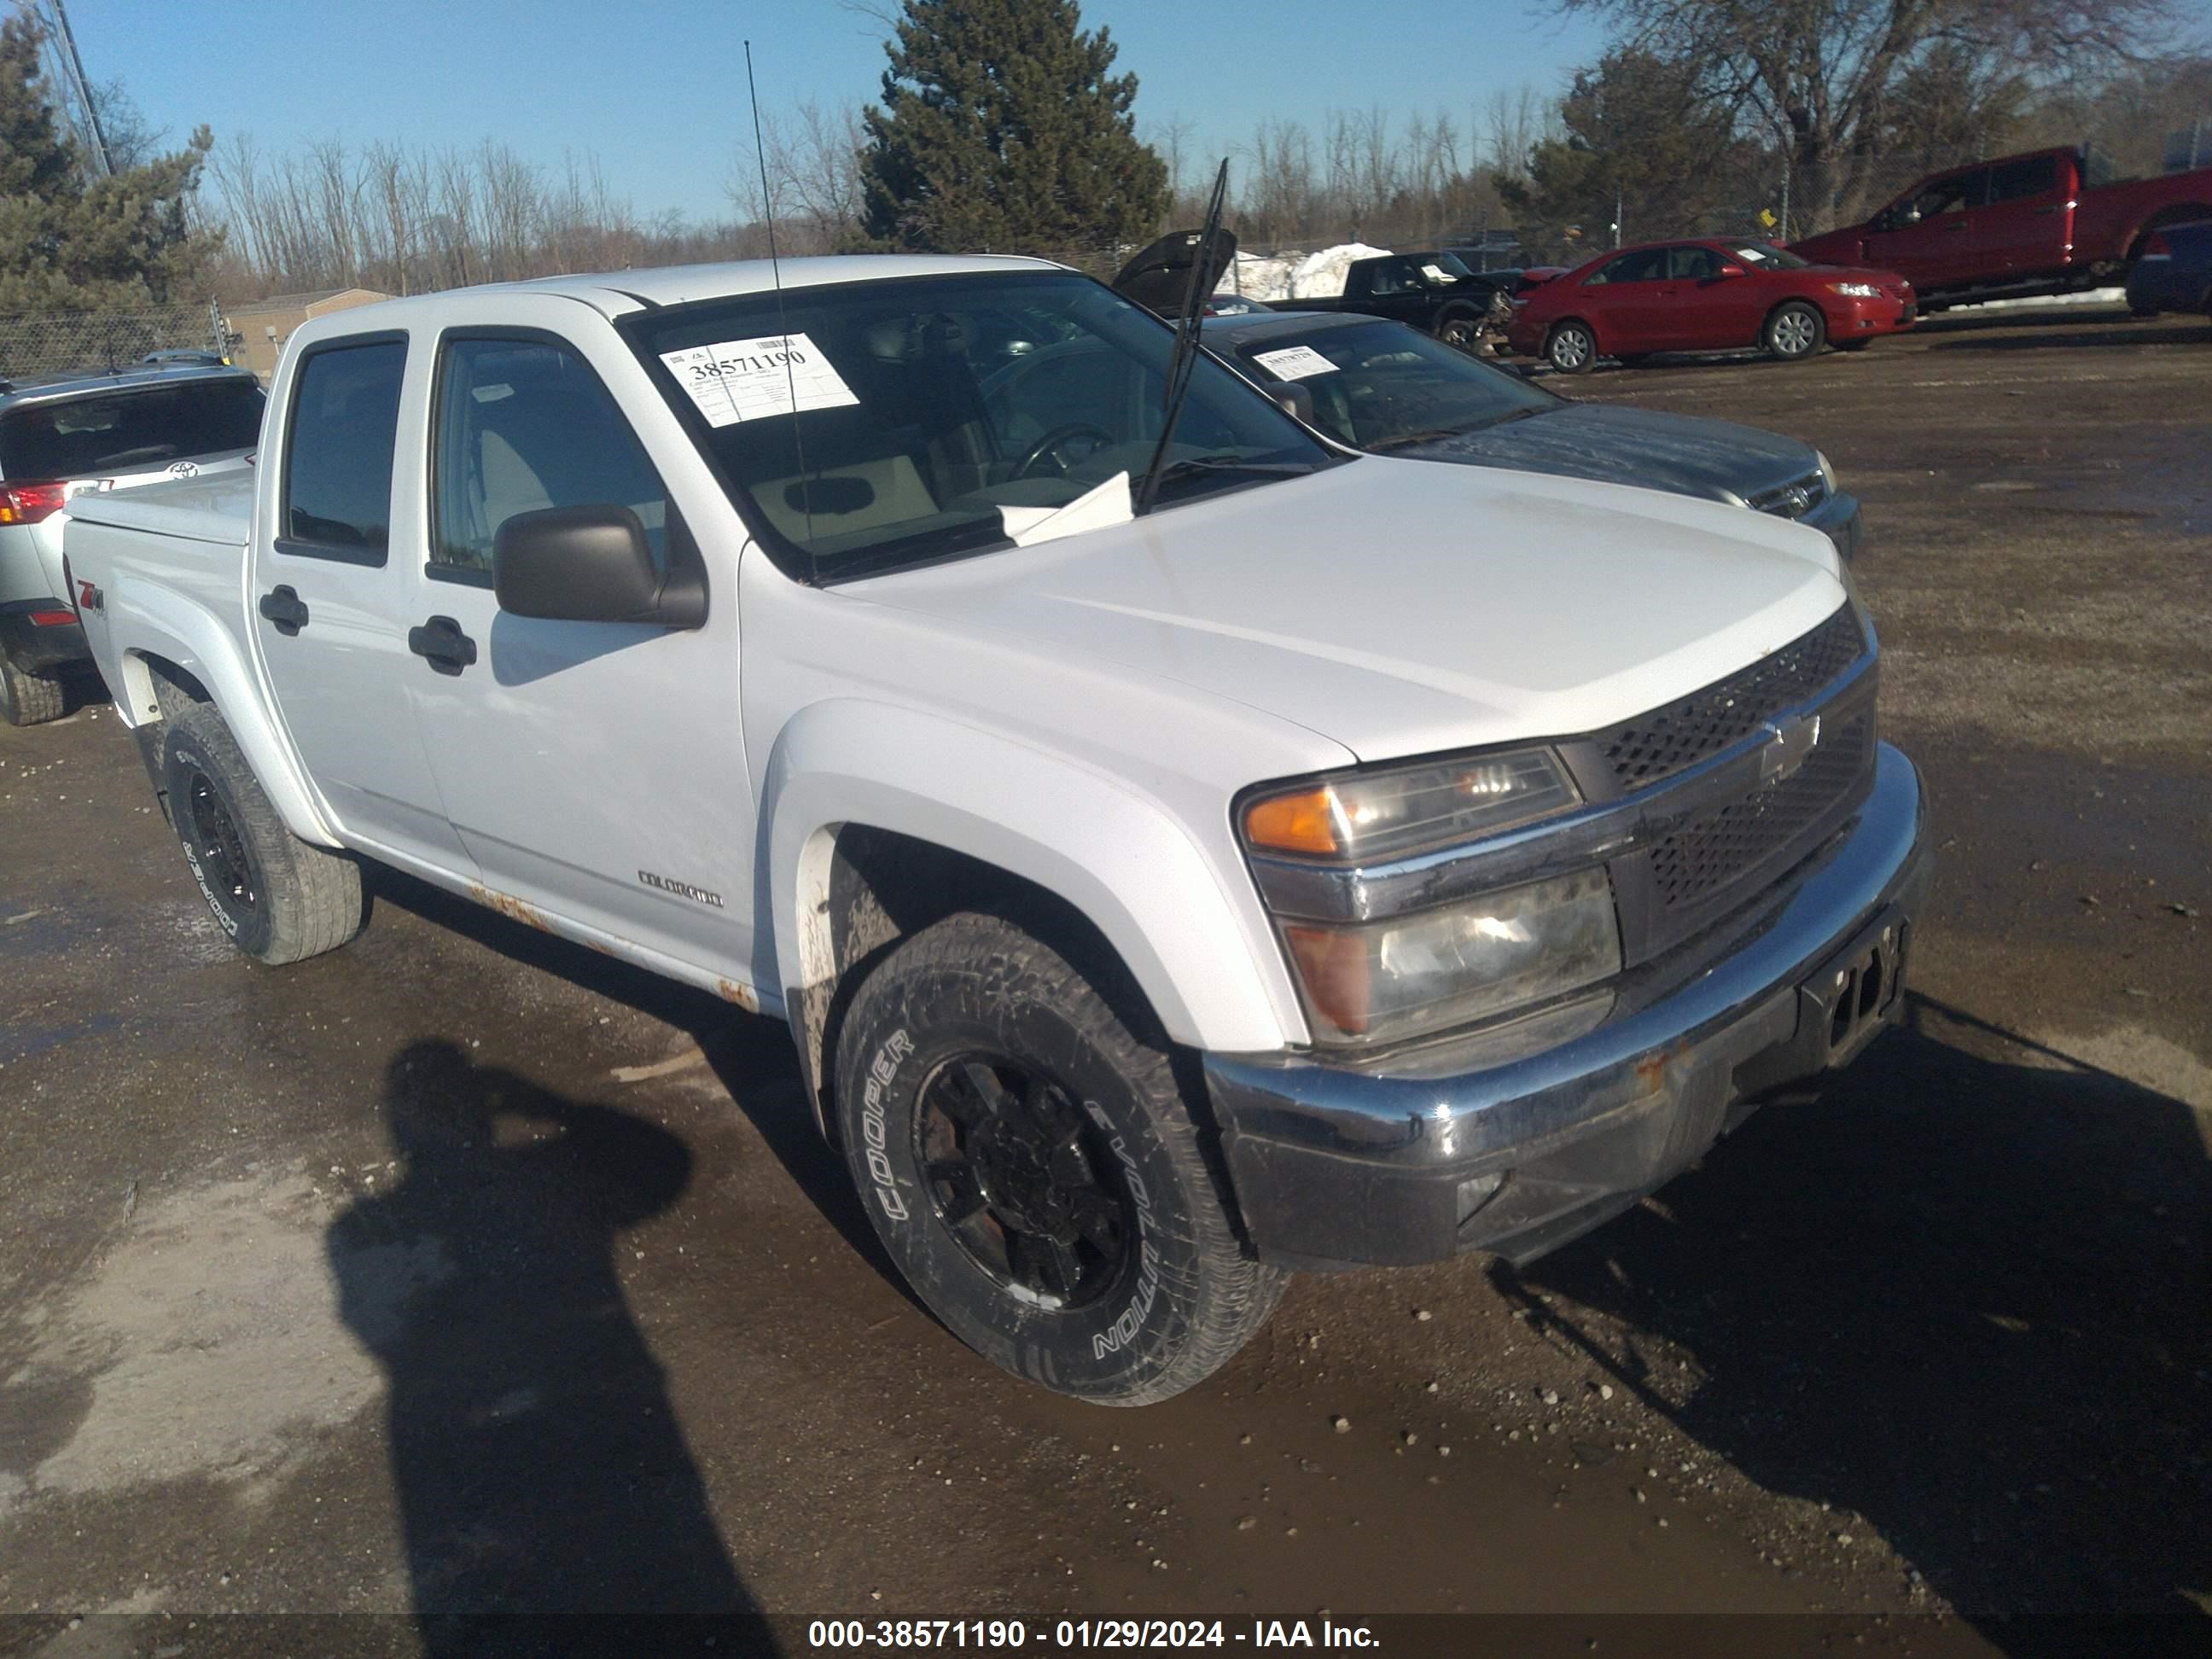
[[2044, 223]]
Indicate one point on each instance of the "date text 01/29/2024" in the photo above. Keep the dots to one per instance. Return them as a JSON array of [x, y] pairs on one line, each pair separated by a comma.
[[1013, 1635]]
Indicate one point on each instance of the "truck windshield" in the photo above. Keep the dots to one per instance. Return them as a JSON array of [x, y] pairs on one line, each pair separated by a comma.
[[867, 425], [115, 431], [1382, 386]]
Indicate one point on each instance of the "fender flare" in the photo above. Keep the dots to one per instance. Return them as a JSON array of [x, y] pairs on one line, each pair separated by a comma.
[[158, 621], [1117, 856]]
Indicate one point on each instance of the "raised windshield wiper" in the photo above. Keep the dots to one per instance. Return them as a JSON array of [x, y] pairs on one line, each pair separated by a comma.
[[1184, 357]]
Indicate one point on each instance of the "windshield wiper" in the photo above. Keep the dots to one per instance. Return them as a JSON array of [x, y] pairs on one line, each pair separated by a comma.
[[1190, 465], [1184, 358], [1407, 440]]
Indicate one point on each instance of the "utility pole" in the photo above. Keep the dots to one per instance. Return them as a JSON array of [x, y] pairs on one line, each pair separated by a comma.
[[74, 92], [1616, 215]]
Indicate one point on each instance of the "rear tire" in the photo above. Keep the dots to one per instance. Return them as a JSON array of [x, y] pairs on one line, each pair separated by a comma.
[[1571, 348], [1027, 1157], [279, 899], [29, 699], [1794, 331]]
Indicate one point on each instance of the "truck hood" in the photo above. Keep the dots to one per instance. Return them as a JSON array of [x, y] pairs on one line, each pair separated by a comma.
[[1688, 454], [1399, 607]]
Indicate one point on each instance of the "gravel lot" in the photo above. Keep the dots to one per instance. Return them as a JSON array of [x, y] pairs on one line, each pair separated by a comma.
[[279, 1331]]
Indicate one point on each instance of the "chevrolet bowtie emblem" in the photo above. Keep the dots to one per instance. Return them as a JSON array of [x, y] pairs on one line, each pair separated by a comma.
[[1787, 747]]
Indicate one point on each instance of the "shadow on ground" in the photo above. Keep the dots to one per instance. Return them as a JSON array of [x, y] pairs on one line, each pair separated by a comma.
[[538, 1463], [2182, 333], [1963, 1292]]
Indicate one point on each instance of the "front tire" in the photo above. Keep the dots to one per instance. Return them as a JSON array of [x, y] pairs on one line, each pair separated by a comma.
[[279, 899], [1461, 329], [1571, 348], [1795, 330], [1026, 1156], [29, 699]]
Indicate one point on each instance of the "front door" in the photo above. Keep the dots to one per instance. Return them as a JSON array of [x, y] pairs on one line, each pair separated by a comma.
[[1935, 248], [331, 606], [594, 770]]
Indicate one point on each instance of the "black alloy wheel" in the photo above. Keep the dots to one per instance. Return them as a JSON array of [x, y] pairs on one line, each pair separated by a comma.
[[218, 849], [1023, 1181]]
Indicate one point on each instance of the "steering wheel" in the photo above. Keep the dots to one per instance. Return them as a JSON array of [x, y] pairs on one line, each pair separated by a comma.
[[1053, 439]]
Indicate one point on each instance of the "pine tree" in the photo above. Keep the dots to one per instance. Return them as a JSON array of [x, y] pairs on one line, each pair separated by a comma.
[[66, 244], [1001, 130]]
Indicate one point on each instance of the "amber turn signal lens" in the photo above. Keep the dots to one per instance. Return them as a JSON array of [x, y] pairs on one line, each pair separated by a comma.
[[1337, 974], [1303, 823]]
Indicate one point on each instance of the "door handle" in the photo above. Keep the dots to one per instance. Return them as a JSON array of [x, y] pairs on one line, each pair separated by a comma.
[[285, 608], [440, 642]]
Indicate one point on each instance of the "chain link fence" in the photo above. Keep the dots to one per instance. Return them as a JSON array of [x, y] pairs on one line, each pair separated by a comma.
[[62, 342]]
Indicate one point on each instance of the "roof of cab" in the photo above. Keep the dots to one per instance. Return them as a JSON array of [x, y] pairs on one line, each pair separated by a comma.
[[619, 293]]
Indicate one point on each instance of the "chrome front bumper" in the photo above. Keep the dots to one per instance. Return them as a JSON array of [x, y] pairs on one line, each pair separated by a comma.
[[1421, 1159]]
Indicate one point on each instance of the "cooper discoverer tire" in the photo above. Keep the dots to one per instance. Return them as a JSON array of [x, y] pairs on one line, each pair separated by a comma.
[[29, 699], [1027, 1158], [279, 899]]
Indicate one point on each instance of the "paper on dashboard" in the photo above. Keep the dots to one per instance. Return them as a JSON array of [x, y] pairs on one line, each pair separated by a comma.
[[1107, 503]]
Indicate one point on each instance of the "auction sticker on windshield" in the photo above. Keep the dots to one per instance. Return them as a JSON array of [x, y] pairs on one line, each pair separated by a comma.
[[734, 380], [1294, 362]]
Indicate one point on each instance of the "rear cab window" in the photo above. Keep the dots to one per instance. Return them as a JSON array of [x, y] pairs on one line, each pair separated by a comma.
[[103, 432], [345, 427]]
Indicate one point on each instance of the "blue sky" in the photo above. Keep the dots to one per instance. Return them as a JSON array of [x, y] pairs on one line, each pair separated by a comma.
[[656, 87]]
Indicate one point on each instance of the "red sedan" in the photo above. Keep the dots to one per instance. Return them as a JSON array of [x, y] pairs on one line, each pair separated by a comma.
[[1716, 295]]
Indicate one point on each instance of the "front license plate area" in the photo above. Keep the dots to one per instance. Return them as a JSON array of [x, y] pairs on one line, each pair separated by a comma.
[[1857, 993]]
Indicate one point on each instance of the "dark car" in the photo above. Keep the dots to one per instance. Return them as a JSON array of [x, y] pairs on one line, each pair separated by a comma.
[[1381, 387], [1705, 295], [1437, 292], [2174, 271]]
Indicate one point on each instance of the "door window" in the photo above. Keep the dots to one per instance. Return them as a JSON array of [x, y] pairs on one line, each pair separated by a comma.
[[1392, 277], [523, 425], [2020, 181], [1644, 265], [337, 459], [1693, 264], [1956, 194]]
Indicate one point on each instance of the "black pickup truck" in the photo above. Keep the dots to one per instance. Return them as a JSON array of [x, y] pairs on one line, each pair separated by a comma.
[[1435, 292]]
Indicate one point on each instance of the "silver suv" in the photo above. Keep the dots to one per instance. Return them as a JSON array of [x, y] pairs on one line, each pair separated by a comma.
[[63, 436]]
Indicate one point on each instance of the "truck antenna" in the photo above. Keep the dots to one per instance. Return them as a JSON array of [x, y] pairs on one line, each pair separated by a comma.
[[782, 326]]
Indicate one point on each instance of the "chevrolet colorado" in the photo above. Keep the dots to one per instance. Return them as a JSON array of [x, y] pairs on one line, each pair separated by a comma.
[[1182, 851]]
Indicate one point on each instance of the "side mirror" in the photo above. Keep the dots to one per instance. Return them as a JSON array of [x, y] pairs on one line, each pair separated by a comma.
[[1908, 214], [1730, 268], [1293, 399], [589, 564]]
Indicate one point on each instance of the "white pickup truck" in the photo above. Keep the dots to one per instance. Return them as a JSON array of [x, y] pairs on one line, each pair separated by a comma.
[[1177, 863]]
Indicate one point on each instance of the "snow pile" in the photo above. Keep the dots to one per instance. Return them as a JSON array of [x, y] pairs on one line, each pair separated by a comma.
[[2088, 296], [1294, 276], [1260, 276]]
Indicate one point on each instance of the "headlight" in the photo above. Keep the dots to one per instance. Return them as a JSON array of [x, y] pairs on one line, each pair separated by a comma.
[[1856, 291], [1382, 981], [1828, 472], [1407, 975], [1360, 818]]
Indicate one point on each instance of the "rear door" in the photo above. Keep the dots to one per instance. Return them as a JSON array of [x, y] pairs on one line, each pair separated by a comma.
[[593, 770], [330, 605], [2024, 228], [1623, 299]]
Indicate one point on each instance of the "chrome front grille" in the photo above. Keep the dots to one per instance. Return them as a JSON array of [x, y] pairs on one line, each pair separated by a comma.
[[1665, 740], [1793, 500]]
